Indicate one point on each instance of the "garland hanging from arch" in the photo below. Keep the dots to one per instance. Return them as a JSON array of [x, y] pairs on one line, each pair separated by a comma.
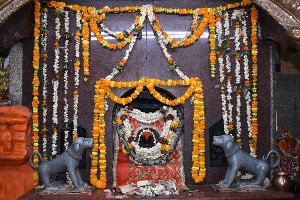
[[103, 90]]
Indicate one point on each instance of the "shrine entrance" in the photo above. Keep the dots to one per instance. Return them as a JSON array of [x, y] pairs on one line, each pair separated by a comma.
[[147, 136]]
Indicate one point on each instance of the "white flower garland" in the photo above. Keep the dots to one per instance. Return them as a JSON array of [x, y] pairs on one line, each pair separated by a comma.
[[66, 70], [146, 118], [55, 83], [162, 41], [219, 31], [44, 40], [114, 34], [246, 72], [132, 43], [236, 16], [127, 128], [229, 90], [226, 24], [76, 74]]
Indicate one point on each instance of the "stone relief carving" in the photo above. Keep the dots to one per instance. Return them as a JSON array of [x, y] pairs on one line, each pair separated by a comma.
[[9, 7], [285, 12]]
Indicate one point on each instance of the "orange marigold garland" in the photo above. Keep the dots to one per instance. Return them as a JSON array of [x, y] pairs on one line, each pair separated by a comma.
[[254, 102], [36, 84], [86, 49], [212, 45], [198, 138], [102, 90]]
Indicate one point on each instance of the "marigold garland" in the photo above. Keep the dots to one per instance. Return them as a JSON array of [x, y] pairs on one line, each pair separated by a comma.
[[212, 45], [44, 40], [86, 49], [95, 16], [254, 108], [102, 90], [36, 84]]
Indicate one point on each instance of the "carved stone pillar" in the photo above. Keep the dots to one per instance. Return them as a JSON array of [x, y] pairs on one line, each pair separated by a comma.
[[15, 76]]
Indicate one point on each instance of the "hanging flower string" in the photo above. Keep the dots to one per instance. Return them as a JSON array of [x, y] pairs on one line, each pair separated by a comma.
[[254, 108], [66, 76], [35, 84], [246, 71], [172, 65], [44, 39], [76, 71], [102, 89], [55, 81], [212, 54], [236, 17], [139, 25], [86, 49], [118, 45], [229, 75], [191, 36], [94, 18]]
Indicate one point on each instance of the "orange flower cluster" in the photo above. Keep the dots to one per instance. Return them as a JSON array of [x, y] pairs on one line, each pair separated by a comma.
[[198, 154], [102, 90], [197, 32], [212, 45], [254, 102], [127, 9], [98, 157], [35, 85], [86, 49], [180, 11]]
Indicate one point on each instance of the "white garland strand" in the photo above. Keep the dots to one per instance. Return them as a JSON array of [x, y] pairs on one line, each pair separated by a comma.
[[44, 40], [115, 71], [162, 41], [219, 32], [66, 74], [55, 83], [226, 24], [236, 16], [229, 90], [76, 75], [146, 118], [246, 72], [114, 34]]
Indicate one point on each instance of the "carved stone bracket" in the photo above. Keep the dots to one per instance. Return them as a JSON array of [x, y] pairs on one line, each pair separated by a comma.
[[286, 13], [8, 7]]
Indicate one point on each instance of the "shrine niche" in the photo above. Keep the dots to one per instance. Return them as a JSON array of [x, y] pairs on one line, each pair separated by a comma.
[[154, 150]]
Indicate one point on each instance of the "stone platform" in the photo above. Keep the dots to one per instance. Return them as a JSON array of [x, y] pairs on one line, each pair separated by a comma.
[[203, 192]]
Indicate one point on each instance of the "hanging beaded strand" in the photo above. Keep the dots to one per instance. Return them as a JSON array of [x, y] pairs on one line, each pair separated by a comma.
[[77, 70], [55, 81], [35, 86], [254, 108], [236, 17], [44, 40]]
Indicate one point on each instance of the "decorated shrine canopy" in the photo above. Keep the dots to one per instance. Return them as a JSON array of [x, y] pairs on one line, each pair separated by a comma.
[[233, 57]]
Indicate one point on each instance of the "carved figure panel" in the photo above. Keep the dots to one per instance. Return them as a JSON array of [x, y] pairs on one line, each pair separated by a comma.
[[15, 134]]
